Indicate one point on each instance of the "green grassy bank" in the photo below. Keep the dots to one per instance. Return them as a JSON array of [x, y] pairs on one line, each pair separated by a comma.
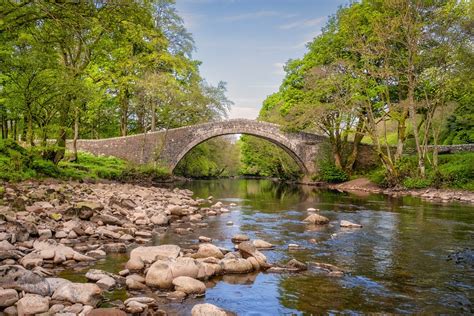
[[18, 164]]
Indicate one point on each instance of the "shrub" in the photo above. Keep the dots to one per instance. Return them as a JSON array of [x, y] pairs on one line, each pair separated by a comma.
[[328, 172], [416, 183]]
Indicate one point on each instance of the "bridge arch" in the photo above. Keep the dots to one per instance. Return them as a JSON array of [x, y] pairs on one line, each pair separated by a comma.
[[287, 147]]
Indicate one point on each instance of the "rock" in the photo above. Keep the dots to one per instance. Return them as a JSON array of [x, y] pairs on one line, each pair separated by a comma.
[[106, 312], [45, 233], [60, 234], [107, 219], [135, 307], [140, 299], [18, 278], [229, 223], [147, 255], [55, 283], [247, 249], [102, 231], [86, 310], [202, 239], [56, 216], [96, 254], [262, 244], [5, 245], [176, 296], [311, 209], [56, 308], [316, 219], [177, 210], [294, 247], [161, 273], [326, 267], [106, 283], [295, 264], [11, 311], [115, 248], [74, 309], [208, 250], [349, 224], [133, 284], [189, 285], [236, 265], [50, 249], [240, 238], [159, 219], [32, 304], [86, 209], [207, 310], [8, 297], [84, 293], [124, 272]]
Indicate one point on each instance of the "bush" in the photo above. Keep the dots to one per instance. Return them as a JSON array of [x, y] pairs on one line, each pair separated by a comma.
[[328, 172], [416, 183], [45, 168]]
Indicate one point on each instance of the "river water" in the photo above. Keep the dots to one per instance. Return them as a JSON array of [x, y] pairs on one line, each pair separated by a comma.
[[397, 263]]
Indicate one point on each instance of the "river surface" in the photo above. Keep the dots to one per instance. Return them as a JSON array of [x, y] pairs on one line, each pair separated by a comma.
[[399, 262]]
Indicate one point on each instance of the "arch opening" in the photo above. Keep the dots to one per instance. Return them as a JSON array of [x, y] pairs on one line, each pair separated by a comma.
[[274, 139]]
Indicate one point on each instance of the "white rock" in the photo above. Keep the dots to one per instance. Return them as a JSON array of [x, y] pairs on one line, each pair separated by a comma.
[[32, 304], [207, 310]]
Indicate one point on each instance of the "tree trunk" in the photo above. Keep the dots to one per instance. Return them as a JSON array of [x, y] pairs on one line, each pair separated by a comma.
[[401, 135], [153, 117], [124, 112], [76, 134]]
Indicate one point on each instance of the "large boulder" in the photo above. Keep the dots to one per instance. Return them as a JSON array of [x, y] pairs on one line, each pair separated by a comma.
[[32, 304], [147, 255], [316, 219], [189, 285], [162, 272], [84, 293], [236, 265], [207, 310], [18, 278], [208, 250], [247, 250]]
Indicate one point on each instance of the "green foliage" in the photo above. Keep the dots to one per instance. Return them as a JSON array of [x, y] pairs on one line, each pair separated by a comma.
[[150, 173], [262, 158], [328, 172], [454, 171], [218, 157], [18, 163]]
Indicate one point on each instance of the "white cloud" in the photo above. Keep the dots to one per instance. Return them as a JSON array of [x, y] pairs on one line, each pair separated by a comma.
[[302, 23]]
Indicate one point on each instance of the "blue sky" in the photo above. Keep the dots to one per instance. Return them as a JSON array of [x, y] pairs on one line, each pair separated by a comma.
[[246, 42]]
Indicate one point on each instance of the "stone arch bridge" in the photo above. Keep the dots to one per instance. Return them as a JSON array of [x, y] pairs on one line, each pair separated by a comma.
[[170, 146]]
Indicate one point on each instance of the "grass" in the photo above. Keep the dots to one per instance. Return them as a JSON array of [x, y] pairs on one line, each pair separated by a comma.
[[455, 171], [18, 164]]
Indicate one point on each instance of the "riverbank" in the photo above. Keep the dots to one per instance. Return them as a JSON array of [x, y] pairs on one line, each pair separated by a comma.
[[431, 194], [49, 226]]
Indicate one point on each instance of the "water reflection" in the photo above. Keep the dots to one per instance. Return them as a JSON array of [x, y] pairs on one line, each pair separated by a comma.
[[396, 262]]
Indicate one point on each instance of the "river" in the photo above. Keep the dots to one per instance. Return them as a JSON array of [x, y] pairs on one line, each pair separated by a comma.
[[398, 262]]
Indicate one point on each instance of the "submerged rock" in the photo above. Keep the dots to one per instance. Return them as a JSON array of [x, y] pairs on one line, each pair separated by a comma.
[[316, 219], [207, 310], [348, 224]]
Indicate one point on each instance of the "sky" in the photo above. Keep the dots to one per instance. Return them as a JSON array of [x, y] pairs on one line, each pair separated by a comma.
[[246, 43]]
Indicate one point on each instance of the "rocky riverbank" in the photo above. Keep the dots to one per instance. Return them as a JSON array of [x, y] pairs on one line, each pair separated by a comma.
[[49, 227], [430, 194]]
